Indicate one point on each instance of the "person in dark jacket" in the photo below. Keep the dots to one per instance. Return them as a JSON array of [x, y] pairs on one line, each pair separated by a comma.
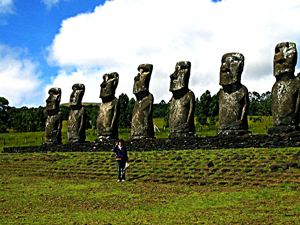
[[121, 158]]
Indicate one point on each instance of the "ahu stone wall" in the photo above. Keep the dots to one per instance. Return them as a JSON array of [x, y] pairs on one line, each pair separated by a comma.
[[213, 142]]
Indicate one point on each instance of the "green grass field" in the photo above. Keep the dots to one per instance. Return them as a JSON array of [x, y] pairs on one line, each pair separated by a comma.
[[172, 187]]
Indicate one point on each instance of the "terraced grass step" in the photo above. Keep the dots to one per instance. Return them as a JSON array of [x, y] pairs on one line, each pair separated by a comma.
[[243, 166]]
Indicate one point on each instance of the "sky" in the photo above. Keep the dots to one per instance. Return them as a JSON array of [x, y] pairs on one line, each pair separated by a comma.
[[57, 43]]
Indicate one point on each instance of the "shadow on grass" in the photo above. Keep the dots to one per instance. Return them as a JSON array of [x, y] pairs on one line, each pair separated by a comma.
[[136, 178]]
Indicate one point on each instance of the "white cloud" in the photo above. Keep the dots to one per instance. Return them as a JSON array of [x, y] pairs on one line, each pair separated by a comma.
[[121, 34], [50, 3], [19, 78], [6, 7], [66, 80]]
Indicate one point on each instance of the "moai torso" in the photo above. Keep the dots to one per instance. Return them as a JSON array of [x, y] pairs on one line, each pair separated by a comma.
[[76, 125], [109, 109], [107, 122], [234, 97], [77, 115], [285, 102], [53, 128], [54, 119], [142, 122], [181, 119], [232, 109], [182, 105], [286, 90]]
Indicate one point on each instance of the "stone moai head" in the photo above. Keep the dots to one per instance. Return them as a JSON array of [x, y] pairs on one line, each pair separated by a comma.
[[285, 59], [109, 85], [142, 79], [52, 102], [231, 68], [180, 78], [77, 95]]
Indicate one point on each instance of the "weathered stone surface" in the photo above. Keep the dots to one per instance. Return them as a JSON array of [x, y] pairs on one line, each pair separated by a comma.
[[210, 164], [142, 122], [177, 158], [234, 98], [285, 91], [77, 116], [54, 119], [182, 105], [284, 166], [213, 142], [274, 167], [109, 110], [293, 164]]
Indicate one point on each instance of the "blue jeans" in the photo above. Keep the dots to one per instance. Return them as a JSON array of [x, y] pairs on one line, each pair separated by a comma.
[[121, 169]]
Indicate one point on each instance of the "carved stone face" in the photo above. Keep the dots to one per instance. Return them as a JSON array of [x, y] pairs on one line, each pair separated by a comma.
[[285, 58], [77, 94], [52, 102], [109, 85], [180, 78], [142, 79], [231, 68]]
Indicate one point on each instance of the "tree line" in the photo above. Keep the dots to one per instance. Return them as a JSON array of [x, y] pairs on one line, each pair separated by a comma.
[[26, 119]]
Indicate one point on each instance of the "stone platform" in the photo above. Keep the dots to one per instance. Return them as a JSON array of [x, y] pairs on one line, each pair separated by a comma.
[[213, 142]]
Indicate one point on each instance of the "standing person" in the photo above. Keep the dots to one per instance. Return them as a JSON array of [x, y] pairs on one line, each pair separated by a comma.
[[121, 158]]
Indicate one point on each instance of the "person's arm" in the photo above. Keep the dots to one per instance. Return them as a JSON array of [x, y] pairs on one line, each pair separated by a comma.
[[115, 148]]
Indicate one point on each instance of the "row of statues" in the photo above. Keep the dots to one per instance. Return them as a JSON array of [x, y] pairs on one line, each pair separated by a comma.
[[233, 102]]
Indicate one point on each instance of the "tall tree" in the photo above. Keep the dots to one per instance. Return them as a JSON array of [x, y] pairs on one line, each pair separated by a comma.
[[15, 119], [254, 106], [160, 110], [203, 108], [214, 109], [65, 110], [260, 105], [27, 119], [123, 119], [40, 118], [167, 113], [3, 114], [128, 112], [266, 103], [92, 114]]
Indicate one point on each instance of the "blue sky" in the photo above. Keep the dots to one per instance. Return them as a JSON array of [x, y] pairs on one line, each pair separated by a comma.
[[33, 24], [56, 43], [28, 27]]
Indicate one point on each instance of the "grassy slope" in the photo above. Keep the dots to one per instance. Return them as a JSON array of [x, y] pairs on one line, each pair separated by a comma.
[[81, 188]]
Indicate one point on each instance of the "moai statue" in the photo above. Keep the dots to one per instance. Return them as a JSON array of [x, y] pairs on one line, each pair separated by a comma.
[[234, 97], [182, 105], [54, 119], [107, 120], [142, 122], [285, 91], [77, 116]]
